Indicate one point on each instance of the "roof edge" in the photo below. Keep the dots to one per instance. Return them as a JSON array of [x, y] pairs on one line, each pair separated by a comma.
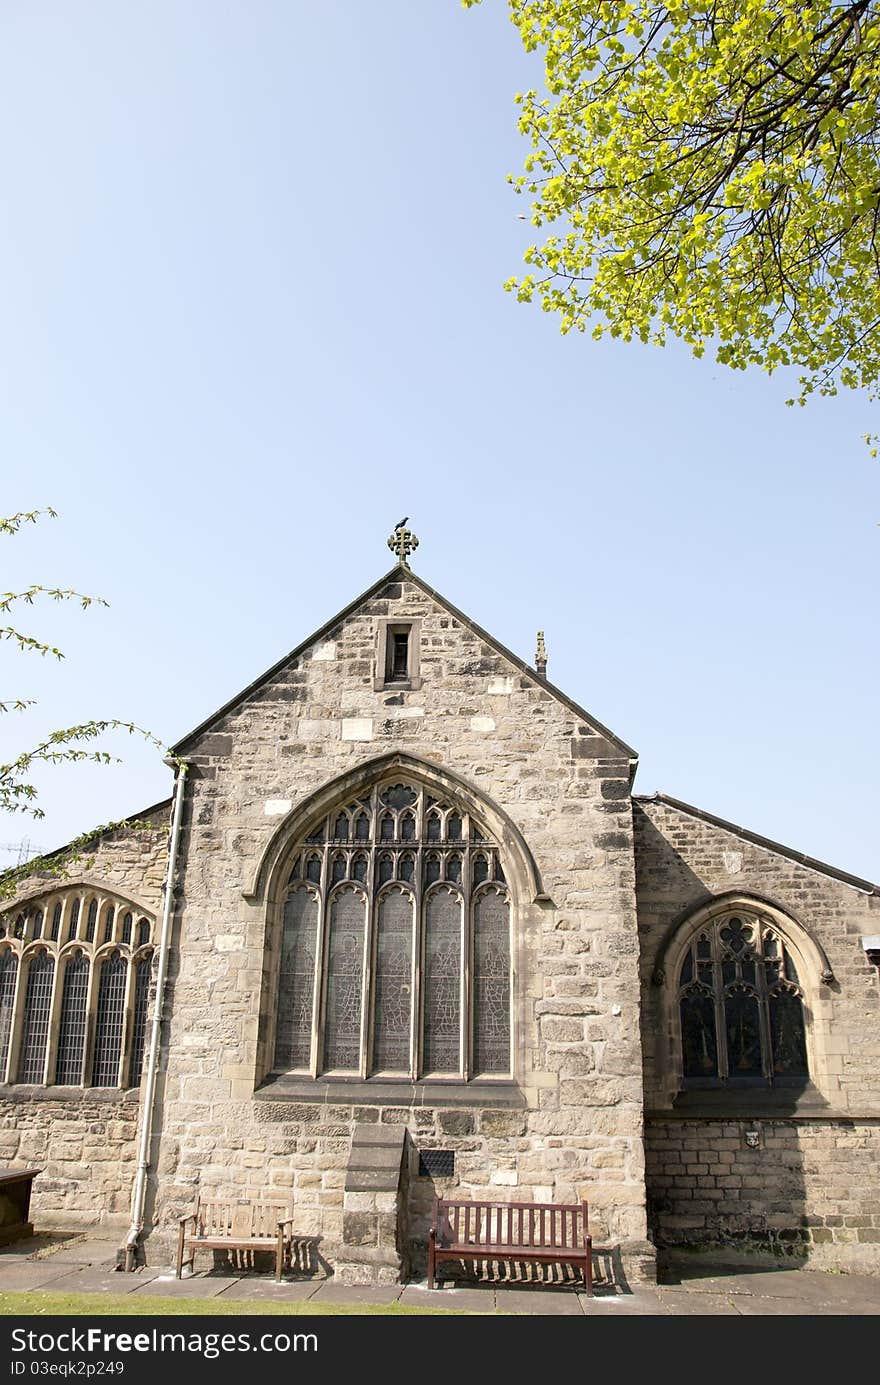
[[801, 858], [399, 571]]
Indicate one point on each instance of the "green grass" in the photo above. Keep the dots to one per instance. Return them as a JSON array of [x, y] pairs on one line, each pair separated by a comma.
[[139, 1305]]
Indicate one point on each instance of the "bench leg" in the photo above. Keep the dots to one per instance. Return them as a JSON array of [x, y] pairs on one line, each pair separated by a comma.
[[181, 1237], [279, 1257], [588, 1269], [431, 1262]]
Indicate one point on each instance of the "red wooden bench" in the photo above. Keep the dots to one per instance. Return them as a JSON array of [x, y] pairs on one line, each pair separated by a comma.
[[242, 1225], [543, 1232]]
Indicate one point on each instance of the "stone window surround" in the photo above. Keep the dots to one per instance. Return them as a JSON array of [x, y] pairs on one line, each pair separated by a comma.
[[25, 947], [266, 892], [385, 627], [812, 967]]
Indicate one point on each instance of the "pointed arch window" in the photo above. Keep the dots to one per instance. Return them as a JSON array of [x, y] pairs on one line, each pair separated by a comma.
[[395, 952], [72, 1026], [73, 1010], [741, 1006]]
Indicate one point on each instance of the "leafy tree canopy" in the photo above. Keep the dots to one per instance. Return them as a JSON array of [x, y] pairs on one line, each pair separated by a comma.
[[711, 168]]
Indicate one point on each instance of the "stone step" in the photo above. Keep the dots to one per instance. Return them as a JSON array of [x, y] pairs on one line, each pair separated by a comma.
[[371, 1181], [389, 1135]]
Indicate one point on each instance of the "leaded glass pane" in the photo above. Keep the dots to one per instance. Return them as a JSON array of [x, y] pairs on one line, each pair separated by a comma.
[[72, 1026], [143, 932], [8, 977], [91, 920], [787, 1036], [56, 922], [296, 982], [398, 796], [442, 981], [35, 1030], [126, 928], [342, 1034], [142, 972], [109, 915], [743, 1032], [38, 924], [699, 1046], [74, 920], [491, 983], [394, 991], [109, 1021], [385, 825]]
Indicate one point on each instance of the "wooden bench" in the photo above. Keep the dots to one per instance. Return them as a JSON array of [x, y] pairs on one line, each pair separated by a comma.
[[241, 1225], [529, 1231]]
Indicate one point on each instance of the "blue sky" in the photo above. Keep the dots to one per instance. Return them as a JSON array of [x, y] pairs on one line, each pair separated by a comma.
[[251, 259]]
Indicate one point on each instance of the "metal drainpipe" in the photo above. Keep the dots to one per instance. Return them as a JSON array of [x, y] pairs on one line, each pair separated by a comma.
[[140, 1187]]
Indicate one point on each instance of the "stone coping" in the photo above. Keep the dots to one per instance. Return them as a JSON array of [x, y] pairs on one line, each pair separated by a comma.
[[111, 1096], [381, 1092]]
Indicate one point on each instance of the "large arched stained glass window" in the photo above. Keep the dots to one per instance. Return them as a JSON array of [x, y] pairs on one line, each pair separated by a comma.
[[395, 943], [741, 1006], [109, 1020]]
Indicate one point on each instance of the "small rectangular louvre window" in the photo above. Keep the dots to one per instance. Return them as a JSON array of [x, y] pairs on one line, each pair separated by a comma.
[[436, 1163], [399, 657]]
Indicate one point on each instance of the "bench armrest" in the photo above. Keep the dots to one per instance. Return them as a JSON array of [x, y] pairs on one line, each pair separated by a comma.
[[190, 1216], [284, 1221]]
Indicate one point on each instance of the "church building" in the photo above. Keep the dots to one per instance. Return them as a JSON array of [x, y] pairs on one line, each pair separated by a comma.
[[405, 928]]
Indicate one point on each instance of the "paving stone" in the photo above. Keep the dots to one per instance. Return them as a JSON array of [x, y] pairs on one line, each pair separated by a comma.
[[21, 1278], [99, 1281], [358, 1293], [552, 1302], [469, 1300], [293, 1291], [198, 1286], [699, 1305], [646, 1303]]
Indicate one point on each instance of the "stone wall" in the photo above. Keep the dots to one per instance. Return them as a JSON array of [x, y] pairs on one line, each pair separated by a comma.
[[561, 783], [85, 1138], [807, 1187], [807, 1191]]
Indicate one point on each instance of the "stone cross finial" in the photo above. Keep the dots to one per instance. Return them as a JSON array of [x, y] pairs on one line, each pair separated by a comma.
[[403, 542], [541, 656]]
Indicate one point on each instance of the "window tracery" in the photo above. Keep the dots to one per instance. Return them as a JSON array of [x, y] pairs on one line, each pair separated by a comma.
[[741, 1006], [395, 950], [75, 970]]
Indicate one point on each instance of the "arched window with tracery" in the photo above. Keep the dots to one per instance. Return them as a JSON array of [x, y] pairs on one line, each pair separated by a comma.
[[741, 1006], [74, 989], [395, 943]]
